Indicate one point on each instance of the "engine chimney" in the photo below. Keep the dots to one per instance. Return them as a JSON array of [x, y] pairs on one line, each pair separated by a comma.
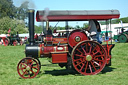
[[31, 26]]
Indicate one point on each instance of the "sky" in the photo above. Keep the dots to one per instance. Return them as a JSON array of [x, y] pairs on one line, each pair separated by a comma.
[[121, 5]]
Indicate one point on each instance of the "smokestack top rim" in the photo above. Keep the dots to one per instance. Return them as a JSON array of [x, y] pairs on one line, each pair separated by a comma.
[[31, 10]]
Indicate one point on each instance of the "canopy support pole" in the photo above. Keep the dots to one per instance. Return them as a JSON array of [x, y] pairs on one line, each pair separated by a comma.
[[66, 27], [110, 31]]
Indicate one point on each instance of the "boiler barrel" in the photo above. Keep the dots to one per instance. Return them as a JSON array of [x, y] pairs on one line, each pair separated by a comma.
[[32, 51]]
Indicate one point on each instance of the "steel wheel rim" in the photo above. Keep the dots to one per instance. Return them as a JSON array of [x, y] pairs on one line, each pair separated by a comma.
[[38, 63], [28, 68], [89, 57]]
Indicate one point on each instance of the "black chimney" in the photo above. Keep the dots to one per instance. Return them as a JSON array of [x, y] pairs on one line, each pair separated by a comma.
[[31, 26]]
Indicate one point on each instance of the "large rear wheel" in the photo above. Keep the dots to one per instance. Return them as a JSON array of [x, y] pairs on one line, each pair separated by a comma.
[[88, 57]]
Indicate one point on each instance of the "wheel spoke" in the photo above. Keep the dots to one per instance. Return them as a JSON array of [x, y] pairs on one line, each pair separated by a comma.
[[23, 64], [86, 47], [24, 73], [96, 53], [79, 55], [95, 48], [96, 63], [90, 49], [90, 68], [35, 68], [77, 60], [33, 72], [31, 63], [84, 51], [93, 65], [79, 51], [86, 66], [98, 60], [80, 62], [98, 56], [22, 68], [82, 67]]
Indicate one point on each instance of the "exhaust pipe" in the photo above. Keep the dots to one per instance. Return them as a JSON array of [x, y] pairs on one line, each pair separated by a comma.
[[31, 26]]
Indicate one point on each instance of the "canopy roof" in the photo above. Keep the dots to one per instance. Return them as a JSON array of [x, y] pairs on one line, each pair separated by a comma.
[[76, 15]]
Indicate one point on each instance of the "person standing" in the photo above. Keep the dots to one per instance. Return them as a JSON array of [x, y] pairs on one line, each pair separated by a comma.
[[98, 31], [92, 29]]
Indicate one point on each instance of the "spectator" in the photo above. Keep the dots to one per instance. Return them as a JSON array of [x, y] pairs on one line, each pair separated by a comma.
[[98, 31], [92, 29]]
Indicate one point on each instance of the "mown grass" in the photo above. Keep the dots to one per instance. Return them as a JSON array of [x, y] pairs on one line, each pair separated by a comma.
[[52, 74]]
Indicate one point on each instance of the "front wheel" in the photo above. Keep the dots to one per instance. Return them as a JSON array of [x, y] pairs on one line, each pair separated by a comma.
[[28, 68], [88, 57]]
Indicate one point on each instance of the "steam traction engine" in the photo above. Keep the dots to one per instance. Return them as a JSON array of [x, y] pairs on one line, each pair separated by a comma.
[[73, 49], [11, 40]]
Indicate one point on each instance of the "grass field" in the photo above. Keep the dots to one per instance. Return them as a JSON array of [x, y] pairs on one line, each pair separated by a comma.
[[52, 74]]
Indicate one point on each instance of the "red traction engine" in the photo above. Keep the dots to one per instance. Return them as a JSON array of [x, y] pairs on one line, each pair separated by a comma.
[[73, 51]]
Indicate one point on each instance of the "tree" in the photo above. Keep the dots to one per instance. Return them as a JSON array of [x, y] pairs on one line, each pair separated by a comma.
[[22, 11], [7, 8], [15, 25], [116, 21], [38, 29], [124, 20]]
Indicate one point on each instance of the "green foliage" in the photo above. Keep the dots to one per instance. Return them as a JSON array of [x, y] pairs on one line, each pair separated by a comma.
[[21, 12], [85, 26], [59, 28], [116, 21], [124, 20], [15, 25], [38, 29], [7, 8]]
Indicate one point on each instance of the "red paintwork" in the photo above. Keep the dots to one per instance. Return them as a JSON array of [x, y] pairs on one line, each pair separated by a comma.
[[75, 33], [58, 53], [76, 17], [61, 40], [15, 43], [5, 41], [50, 39], [59, 58], [108, 48], [53, 49], [24, 64], [97, 61]]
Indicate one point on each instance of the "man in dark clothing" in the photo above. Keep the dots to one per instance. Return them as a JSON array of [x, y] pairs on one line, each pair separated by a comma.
[[92, 29], [98, 30]]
